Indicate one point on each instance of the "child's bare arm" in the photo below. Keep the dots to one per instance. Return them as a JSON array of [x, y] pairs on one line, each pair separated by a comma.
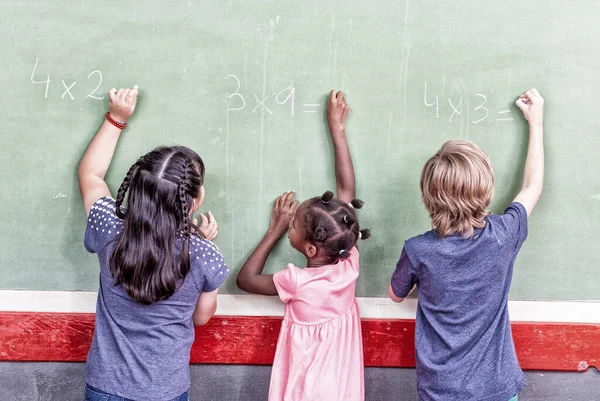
[[99, 153], [337, 110], [531, 104], [205, 307], [250, 277]]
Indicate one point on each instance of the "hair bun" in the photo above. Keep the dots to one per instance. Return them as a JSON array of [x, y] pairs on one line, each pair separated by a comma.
[[348, 219], [357, 203], [364, 233], [327, 196], [320, 234], [344, 254]]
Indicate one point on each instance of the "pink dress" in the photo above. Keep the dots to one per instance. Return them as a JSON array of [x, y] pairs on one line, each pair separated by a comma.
[[319, 352]]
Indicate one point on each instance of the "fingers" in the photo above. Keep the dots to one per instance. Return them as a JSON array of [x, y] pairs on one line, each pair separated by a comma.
[[131, 95], [345, 111], [213, 228], [332, 96], [294, 205], [278, 201], [531, 96], [209, 227], [288, 198], [123, 94], [284, 202], [521, 103], [336, 97], [212, 220], [119, 94]]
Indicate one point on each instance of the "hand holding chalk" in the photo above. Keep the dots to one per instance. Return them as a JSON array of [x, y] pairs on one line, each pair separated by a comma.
[[531, 104], [122, 103], [337, 110]]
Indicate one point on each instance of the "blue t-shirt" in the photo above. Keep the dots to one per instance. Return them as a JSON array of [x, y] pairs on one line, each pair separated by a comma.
[[463, 339], [142, 352]]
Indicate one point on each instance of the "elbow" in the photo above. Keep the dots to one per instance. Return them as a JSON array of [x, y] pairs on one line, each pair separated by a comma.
[[242, 283], [200, 319], [396, 299], [393, 296], [80, 172]]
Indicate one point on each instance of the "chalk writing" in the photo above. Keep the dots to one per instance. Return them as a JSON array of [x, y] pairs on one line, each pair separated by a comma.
[[236, 101], [478, 114], [67, 92]]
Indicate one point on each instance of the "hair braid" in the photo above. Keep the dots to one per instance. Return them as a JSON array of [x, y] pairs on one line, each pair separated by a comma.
[[183, 188], [123, 190]]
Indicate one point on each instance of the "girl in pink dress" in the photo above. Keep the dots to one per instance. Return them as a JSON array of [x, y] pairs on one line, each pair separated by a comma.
[[319, 353]]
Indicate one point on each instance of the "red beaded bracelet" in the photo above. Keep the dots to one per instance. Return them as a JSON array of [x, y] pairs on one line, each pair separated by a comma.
[[114, 122]]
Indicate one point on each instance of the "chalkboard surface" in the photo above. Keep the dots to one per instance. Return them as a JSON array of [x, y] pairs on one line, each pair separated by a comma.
[[244, 84]]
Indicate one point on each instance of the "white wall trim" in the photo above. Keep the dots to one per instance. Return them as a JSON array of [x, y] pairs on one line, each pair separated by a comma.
[[257, 305]]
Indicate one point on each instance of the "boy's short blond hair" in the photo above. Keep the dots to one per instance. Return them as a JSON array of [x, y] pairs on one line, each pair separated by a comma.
[[457, 186]]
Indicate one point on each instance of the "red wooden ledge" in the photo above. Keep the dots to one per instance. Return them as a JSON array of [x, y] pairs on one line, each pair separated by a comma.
[[66, 337]]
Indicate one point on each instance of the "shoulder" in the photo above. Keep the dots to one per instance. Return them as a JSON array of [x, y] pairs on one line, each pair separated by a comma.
[[103, 225], [511, 226], [286, 282], [205, 253], [421, 243], [207, 263], [104, 207]]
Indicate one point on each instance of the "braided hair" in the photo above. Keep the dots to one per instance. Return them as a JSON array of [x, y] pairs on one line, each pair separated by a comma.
[[160, 188], [331, 225]]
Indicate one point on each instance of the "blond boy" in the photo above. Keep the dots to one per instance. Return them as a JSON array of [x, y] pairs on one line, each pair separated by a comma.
[[463, 269]]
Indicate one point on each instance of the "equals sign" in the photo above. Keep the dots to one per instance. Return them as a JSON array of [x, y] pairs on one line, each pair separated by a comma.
[[504, 118], [311, 107]]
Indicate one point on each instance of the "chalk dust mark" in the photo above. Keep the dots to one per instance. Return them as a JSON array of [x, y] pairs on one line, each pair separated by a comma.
[[331, 43], [389, 139]]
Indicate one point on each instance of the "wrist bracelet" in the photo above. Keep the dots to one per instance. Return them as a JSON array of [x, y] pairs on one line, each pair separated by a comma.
[[114, 122]]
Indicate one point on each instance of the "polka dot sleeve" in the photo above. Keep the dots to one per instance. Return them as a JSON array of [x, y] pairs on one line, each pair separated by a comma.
[[103, 225], [208, 265]]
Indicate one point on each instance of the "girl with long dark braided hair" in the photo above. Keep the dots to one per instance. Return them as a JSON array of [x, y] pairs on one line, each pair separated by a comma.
[[159, 271]]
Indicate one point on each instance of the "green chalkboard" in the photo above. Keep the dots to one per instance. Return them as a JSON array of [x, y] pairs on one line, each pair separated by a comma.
[[244, 84]]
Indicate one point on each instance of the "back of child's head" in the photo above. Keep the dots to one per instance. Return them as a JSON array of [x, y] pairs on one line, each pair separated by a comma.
[[457, 185], [331, 225], [160, 189]]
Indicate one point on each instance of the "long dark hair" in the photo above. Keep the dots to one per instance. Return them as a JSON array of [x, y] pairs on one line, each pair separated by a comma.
[[160, 188]]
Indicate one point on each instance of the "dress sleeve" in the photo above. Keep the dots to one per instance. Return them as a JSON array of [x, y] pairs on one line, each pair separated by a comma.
[[285, 282]]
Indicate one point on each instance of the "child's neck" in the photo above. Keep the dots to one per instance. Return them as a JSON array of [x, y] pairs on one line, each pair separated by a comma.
[[317, 261]]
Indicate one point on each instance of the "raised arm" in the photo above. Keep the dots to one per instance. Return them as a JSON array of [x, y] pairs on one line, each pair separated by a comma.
[[337, 110], [532, 106], [250, 277], [99, 153]]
